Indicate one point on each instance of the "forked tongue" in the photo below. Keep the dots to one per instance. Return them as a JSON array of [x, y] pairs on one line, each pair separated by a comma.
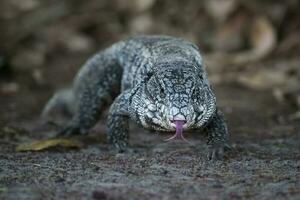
[[179, 131]]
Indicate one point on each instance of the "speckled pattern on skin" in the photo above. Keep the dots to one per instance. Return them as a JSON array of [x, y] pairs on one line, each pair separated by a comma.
[[151, 80]]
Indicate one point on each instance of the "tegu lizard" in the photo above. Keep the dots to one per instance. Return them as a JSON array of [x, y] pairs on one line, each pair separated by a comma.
[[158, 82]]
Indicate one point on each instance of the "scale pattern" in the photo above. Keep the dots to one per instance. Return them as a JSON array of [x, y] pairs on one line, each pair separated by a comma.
[[151, 80]]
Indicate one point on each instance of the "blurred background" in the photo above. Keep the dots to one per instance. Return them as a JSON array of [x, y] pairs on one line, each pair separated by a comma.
[[248, 44], [251, 50]]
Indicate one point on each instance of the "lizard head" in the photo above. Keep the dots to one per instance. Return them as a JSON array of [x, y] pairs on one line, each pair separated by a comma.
[[179, 97]]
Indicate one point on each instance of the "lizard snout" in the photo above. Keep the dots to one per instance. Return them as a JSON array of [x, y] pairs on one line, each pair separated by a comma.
[[178, 118], [177, 114]]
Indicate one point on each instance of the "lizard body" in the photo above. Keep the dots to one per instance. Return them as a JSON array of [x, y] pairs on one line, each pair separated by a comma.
[[158, 82]]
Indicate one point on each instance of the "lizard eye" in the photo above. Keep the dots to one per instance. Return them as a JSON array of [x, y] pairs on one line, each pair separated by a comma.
[[193, 91], [162, 91]]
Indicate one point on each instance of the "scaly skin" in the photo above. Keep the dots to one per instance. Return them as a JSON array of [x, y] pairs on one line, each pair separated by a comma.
[[155, 81]]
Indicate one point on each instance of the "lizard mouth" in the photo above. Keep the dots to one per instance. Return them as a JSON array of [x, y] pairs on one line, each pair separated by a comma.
[[179, 130]]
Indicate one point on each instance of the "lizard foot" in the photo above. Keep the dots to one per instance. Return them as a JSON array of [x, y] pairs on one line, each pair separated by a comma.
[[122, 147], [216, 151], [69, 130]]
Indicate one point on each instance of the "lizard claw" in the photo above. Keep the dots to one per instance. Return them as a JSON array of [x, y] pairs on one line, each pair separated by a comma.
[[128, 150]]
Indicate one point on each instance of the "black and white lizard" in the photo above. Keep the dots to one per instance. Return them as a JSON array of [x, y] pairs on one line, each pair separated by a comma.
[[158, 82]]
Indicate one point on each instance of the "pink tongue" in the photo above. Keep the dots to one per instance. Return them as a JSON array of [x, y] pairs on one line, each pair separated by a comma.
[[179, 135]]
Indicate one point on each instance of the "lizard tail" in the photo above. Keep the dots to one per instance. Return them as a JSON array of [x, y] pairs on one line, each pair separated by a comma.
[[62, 102]]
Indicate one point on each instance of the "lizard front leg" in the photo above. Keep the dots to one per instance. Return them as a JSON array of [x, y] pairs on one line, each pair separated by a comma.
[[217, 136], [118, 123]]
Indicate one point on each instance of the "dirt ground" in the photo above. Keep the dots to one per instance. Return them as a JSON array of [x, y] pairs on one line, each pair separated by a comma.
[[264, 164]]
